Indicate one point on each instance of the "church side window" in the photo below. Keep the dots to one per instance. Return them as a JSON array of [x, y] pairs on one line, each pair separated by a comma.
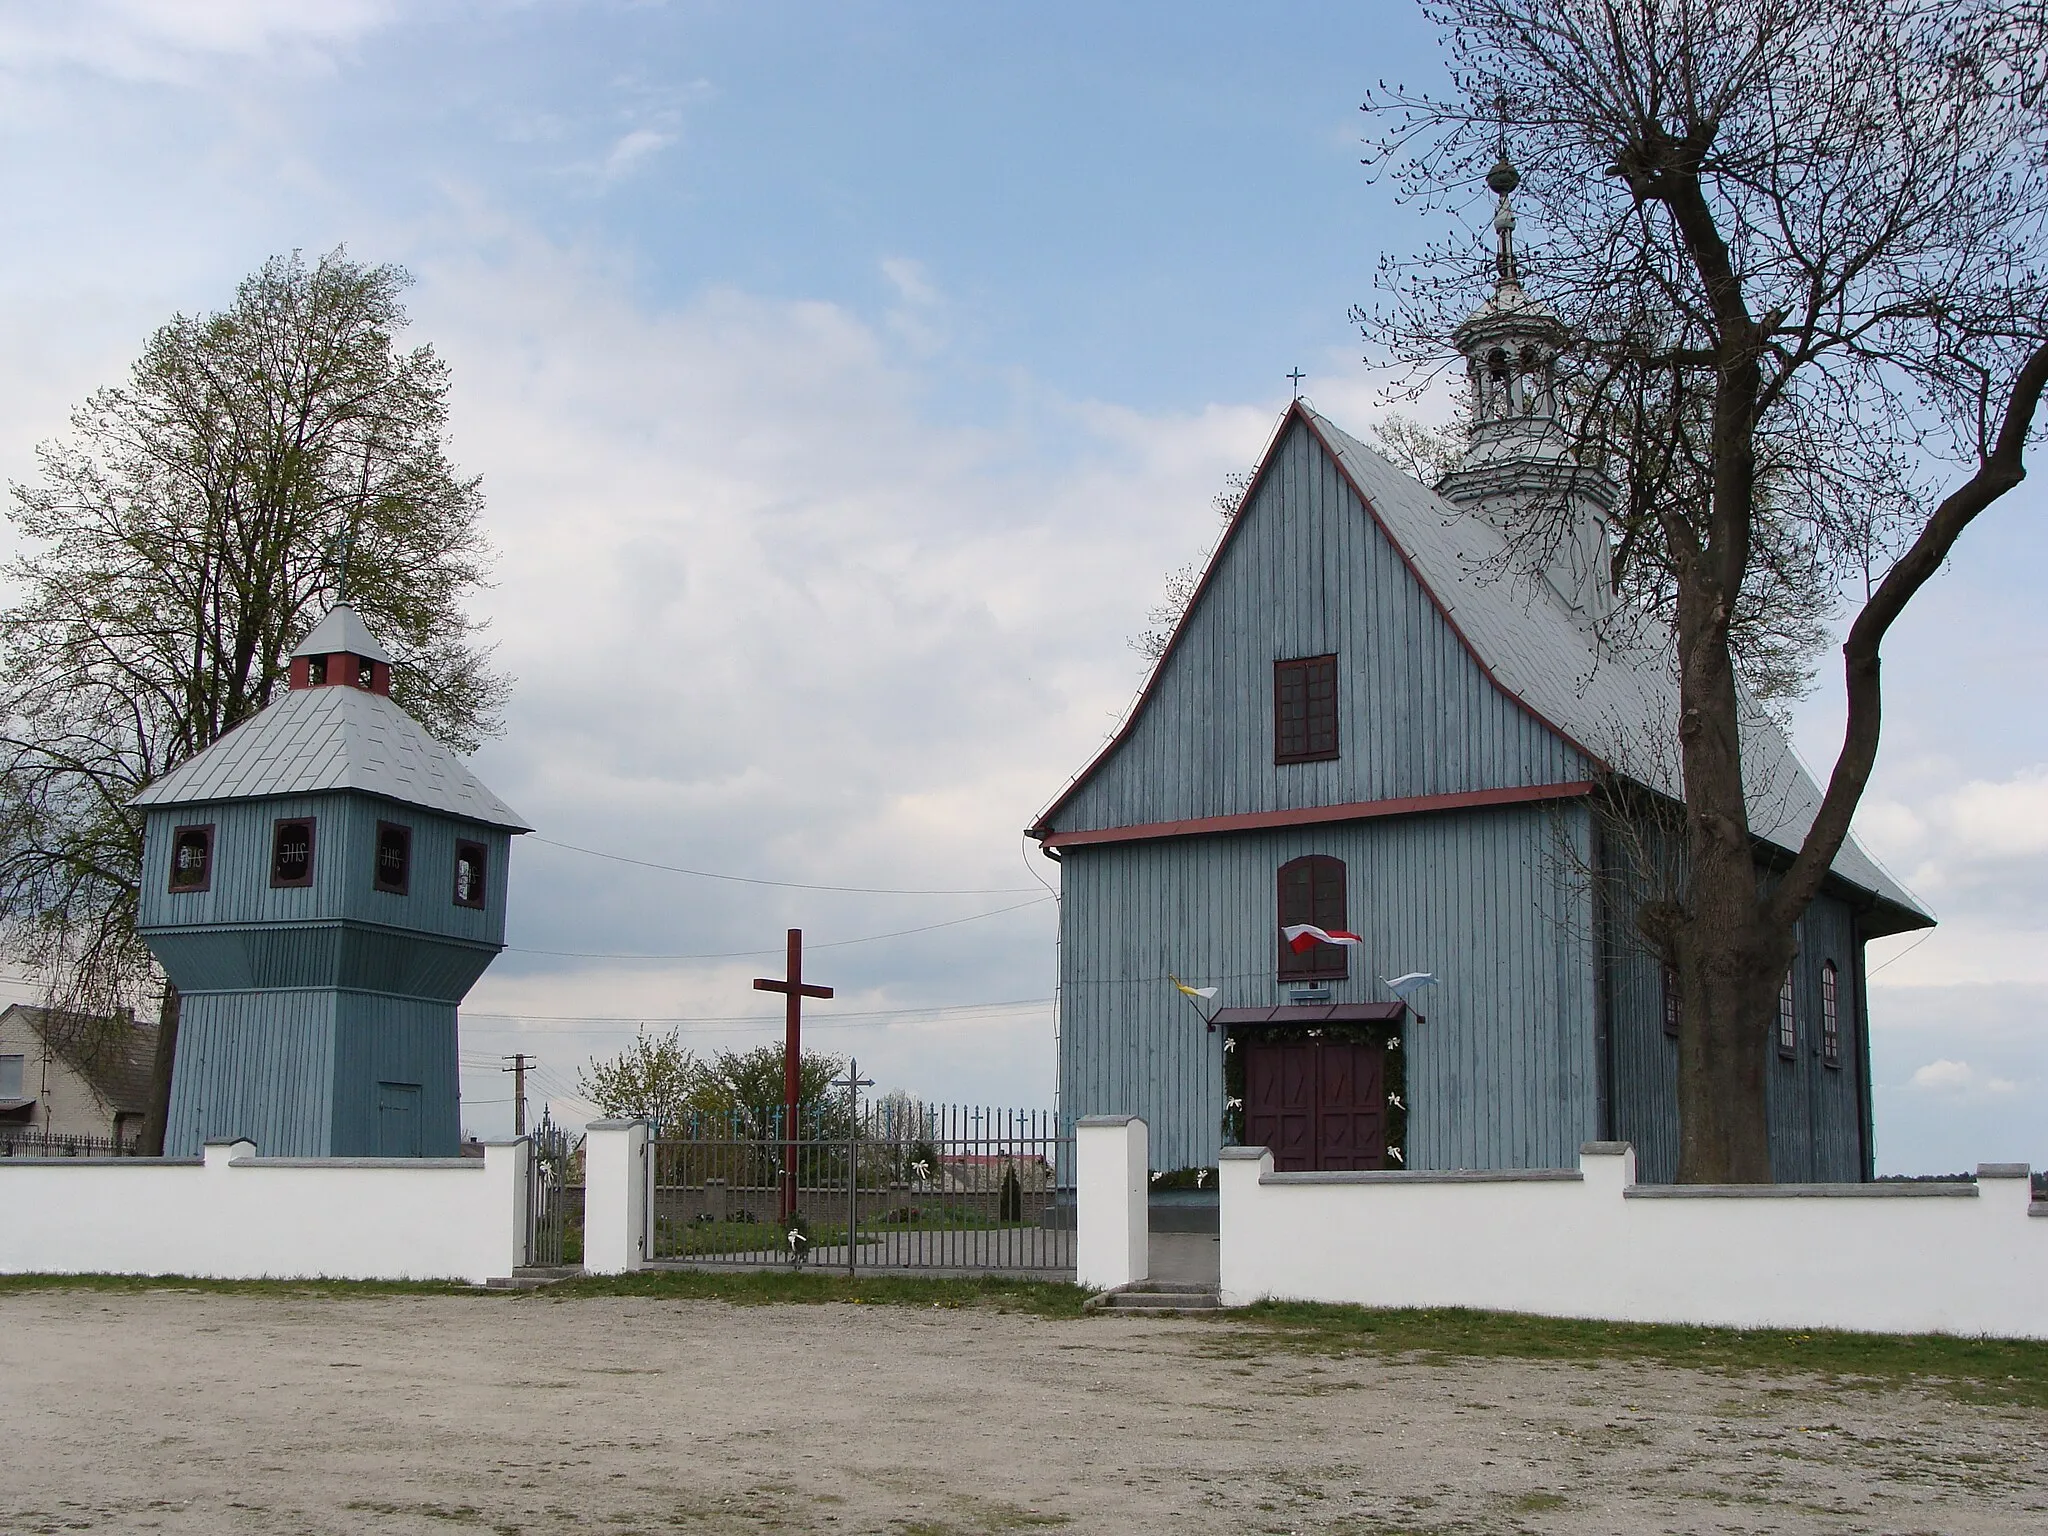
[[1312, 891], [1671, 1002], [1788, 1021], [1305, 709], [1830, 1016], [291, 851], [469, 874], [192, 858], [394, 858]]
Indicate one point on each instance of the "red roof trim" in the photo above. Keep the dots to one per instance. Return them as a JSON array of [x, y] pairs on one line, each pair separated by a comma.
[[1040, 828], [1315, 815]]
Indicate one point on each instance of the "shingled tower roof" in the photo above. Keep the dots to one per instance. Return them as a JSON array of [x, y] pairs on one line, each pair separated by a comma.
[[334, 734]]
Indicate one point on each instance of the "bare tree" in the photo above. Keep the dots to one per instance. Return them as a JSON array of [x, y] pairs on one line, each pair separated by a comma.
[[1799, 246], [180, 542], [1182, 581]]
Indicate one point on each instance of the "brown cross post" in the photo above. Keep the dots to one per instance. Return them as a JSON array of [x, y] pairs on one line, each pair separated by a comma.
[[794, 990]]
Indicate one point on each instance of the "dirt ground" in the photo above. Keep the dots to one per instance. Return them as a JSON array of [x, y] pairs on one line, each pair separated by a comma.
[[193, 1412]]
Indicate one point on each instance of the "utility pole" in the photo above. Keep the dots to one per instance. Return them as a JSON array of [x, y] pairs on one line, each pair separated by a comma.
[[520, 1062]]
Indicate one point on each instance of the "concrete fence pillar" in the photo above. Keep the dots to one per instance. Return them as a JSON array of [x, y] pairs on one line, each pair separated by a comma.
[[1112, 1236], [614, 1196]]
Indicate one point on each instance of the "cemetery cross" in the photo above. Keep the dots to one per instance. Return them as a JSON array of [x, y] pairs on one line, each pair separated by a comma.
[[794, 990]]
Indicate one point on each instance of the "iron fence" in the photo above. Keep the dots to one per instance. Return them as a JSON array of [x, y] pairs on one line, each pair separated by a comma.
[[554, 1214], [893, 1185], [40, 1143]]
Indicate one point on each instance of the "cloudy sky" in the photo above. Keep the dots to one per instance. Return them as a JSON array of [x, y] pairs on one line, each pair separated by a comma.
[[844, 378]]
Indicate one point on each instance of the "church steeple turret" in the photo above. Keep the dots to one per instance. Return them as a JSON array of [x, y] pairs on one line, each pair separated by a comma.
[[1518, 470]]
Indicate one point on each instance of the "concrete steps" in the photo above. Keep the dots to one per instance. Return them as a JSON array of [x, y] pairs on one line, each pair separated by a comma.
[[533, 1278], [1168, 1296]]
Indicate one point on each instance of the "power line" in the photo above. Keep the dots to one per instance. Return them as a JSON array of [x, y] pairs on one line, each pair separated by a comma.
[[748, 954], [739, 1023], [785, 885]]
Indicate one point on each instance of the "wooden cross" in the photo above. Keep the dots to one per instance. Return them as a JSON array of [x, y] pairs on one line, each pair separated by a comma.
[[1297, 376], [794, 990]]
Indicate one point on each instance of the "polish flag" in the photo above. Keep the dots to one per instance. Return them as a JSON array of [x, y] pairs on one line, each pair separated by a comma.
[[1302, 937]]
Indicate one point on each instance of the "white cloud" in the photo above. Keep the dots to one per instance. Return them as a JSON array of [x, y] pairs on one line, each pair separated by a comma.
[[631, 150], [769, 614], [167, 40], [1947, 1076]]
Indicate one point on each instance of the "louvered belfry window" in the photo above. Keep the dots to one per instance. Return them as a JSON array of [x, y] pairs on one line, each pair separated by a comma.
[[1312, 891], [1305, 709]]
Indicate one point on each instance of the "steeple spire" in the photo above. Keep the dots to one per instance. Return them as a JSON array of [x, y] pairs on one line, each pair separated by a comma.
[[1503, 179], [1519, 472]]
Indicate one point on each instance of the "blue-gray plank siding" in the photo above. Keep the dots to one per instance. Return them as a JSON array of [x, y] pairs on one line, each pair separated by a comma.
[[1816, 1111], [297, 1072], [344, 852], [1306, 573], [1503, 1072], [299, 1002], [256, 1065]]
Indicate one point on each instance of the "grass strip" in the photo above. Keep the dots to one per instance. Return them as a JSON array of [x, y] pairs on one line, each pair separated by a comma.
[[782, 1287], [1977, 1370], [15, 1285]]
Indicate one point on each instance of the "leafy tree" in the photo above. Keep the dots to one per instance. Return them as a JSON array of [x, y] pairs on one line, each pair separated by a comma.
[[1799, 244], [179, 541], [745, 1088], [660, 1079], [652, 1080]]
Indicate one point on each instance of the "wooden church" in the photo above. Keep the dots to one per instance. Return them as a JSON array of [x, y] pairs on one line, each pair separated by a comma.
[[324, 884], [1383, 717]]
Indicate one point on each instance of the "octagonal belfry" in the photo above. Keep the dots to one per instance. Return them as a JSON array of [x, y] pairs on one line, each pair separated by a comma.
[[323, 884]]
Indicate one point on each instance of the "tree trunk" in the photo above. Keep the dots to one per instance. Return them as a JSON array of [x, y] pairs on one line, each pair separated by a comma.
[[1728, 956], [157, 1121]]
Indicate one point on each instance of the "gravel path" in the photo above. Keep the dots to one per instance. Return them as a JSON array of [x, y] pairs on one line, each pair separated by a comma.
[[191, 1412]]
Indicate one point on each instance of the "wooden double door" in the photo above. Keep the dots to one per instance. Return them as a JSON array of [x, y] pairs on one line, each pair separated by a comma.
[[1316, 1103]]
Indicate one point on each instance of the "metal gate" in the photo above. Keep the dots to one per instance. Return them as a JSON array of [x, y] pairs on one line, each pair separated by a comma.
[[895, 1185], [553, 1224]]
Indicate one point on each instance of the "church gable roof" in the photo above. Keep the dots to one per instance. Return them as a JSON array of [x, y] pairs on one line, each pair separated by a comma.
[[333, 738], [1618, 706], [1304, 571]]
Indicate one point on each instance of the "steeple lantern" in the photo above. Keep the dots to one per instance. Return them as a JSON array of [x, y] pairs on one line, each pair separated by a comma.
[[1519, 470], [341, 653]]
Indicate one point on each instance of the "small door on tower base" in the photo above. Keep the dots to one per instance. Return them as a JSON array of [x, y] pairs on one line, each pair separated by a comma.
[[1317, 1104]]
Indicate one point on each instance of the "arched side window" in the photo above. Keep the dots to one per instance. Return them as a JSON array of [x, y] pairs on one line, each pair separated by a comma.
[[1312, 891], [1671, 1002], [1830, 1015], [1788, 1021]]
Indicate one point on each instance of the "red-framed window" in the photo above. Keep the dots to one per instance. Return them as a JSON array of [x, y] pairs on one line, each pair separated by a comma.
[[393, 872], [1788, 1021], [1830, 1015], [191, 859], [291, 851], [1312, 891], [1305, 709], [471, 866]]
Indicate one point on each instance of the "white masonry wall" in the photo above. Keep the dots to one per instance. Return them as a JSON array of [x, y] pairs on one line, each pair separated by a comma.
[[234, 1215], [1896, 1258]]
